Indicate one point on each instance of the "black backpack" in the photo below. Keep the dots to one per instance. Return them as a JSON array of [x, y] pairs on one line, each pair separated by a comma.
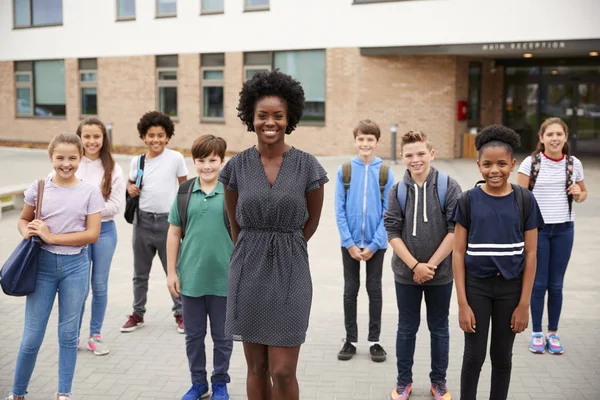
[[183, 200], [523, 203]]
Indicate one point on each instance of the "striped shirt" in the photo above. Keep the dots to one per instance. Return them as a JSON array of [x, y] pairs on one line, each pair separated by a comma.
[[550, 187], [65, 209], [495, 242]]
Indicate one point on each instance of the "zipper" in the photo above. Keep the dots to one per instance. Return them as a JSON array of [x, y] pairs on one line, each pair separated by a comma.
[[364, 209]]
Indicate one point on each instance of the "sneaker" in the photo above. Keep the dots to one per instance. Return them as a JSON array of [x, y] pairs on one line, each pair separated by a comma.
[[536, 345], [554, 346], [402, 391], [63, 397], [347, 352], [179, 322], [439, 391], [377, 353], [196, 392], [96, 345], [219, 391], [13, 397], [133, 322]]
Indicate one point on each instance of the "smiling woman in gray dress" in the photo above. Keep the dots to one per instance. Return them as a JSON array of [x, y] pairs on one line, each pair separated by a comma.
[[274, 198]]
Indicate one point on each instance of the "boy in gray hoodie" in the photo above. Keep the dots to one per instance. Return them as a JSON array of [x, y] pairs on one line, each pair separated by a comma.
[[421, 235]]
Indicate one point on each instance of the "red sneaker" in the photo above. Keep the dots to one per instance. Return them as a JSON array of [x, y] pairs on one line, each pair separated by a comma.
[[133, 322], [179, 322]]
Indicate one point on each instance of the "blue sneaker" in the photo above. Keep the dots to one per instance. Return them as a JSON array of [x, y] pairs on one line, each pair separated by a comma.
[[219, 391], [554, 346], [536, 345], [196, 392]]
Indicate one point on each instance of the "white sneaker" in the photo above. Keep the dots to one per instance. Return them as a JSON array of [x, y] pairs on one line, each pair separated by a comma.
[[96, 345]]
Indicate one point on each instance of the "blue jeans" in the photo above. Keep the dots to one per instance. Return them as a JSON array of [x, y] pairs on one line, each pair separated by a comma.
[[195, 312], [100, 255], [69, 276], [555, 242], [437, 299]]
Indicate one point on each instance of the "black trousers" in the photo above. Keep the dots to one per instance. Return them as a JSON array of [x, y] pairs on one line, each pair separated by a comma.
[[351, 286], [492, 298]]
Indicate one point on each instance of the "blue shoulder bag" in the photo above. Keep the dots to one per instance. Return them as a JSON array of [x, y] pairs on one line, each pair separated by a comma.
[[19, 272]]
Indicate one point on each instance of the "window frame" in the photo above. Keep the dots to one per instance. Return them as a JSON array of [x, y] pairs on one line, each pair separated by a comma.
[[25, 85], [205, 83], [165, 15], [87, 85], [212, 12], [132, 18], [248, 8], [160, 83], [31, 25], [265, 67]]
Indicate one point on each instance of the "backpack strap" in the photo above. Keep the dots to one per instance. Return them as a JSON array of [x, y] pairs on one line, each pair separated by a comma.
[[184, 193], [383, 179], [140, 170], [346, 176], [536, 162], [402, 195], [443, 181], [570, 180], [464, 206], [522, 203]]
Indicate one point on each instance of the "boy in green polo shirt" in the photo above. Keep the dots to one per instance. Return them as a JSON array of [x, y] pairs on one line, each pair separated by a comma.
[[198, 252]]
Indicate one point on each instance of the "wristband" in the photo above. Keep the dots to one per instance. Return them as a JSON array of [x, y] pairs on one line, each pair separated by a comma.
[[413, 268]]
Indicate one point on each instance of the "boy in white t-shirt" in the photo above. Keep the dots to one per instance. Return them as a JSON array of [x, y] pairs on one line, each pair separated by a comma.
[[163, 171]]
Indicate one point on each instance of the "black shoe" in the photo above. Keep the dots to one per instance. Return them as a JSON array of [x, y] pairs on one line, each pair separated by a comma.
[[347, 352], [377, 353]]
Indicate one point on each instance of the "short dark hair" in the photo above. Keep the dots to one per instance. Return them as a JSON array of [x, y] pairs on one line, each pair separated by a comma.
[[497, 135], [206, 145], [271, 83], [367, 127], [155, 118]]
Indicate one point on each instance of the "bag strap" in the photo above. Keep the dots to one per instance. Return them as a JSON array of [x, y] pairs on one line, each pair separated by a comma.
[[346, 176], [536, 162], [401, 195], [522, 203], [570, 180], [442, 189], [40, 199], [384, 172], [140, 167], [184, 193]]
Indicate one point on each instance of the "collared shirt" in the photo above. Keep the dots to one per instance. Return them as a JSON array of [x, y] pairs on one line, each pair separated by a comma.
[[203, 264]]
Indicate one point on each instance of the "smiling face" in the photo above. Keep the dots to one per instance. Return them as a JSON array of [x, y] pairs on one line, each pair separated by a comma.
[[365, 145], [65, 159], [156, 139], [495, 164], [92, 140], [270, 120], [554, 139], [417, 158], [208, 168]]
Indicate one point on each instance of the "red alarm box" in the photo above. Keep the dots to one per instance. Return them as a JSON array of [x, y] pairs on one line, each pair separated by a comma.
[[462, 112]]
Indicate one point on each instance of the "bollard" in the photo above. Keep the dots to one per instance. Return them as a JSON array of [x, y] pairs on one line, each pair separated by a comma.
[[393, 131], [109, 132]]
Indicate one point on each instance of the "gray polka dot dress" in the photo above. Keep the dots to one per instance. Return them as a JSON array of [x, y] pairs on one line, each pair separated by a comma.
[[270, 288]]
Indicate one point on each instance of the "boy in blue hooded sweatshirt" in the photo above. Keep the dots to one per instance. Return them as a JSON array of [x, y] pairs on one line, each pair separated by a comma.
[[361, 194]]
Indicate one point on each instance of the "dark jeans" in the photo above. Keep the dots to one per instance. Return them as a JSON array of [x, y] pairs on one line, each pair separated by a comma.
[[351, 286], [195, 311], [555, 243], [494, 298], [149, 237], [437, 299]]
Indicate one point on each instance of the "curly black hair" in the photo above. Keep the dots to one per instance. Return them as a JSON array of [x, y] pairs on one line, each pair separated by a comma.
[[273, 83], [155, 118], [497, 135]]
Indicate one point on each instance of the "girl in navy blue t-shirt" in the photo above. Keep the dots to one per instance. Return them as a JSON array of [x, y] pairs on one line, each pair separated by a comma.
[[494, 262]]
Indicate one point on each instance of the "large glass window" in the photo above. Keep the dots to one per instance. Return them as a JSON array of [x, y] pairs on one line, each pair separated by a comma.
[[40, 88], [213, 78], [252, 5], [166, 74], [211, 6], [166, 8], [308, 67], [88, 82], [474, 94], [125, 9], [28, 13]]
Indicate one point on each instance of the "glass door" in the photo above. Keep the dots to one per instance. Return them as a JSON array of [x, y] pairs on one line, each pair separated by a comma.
[[586, 126], [521, 112], [558, 100]]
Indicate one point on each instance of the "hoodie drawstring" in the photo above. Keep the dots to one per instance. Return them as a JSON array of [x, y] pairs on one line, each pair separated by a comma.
[[414, 232]]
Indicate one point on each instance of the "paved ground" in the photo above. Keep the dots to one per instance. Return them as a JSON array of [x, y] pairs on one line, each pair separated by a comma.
[[151, 363]]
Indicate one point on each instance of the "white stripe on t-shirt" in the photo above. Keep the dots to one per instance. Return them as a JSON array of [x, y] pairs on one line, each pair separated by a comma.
[[550, 188]]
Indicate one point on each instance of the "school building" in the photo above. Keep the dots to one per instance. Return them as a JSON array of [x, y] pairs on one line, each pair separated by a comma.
[[446, 67]]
